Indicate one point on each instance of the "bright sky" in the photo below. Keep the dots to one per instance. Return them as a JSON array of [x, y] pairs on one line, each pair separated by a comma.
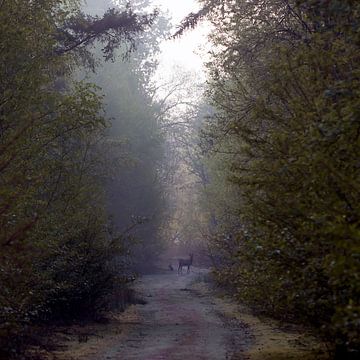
[[178, 8], [185, 52]]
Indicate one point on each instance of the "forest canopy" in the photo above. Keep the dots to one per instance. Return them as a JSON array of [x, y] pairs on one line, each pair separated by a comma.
[[282, 152], [102, 167], [61, 254]]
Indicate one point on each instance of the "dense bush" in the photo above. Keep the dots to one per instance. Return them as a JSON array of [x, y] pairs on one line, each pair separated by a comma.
[[57, 251], [285, 142]]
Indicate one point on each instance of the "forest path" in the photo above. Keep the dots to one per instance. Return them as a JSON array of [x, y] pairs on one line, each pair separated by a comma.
[[183, 319], [178, 322]]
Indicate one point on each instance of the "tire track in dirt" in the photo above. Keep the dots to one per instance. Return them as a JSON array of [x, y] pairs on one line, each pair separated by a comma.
[[176, 323], [184, 319]]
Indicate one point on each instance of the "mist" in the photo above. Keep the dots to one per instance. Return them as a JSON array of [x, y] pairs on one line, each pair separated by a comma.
[[173, 165]]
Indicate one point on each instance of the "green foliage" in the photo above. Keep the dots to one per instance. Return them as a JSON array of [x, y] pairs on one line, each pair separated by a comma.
[[134, 191], [58, 255], [114, 29], [285, 82]]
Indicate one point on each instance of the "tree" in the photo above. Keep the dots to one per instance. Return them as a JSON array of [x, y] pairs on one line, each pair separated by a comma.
[[135, 190], [56, 243], [285, 132]]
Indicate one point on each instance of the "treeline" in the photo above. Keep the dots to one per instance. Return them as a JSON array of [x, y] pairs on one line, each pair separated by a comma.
[[135, 194], [60, 253], [282, 152]]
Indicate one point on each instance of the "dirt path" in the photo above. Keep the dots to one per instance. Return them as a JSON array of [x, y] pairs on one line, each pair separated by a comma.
[[178, 322], [182, 320]]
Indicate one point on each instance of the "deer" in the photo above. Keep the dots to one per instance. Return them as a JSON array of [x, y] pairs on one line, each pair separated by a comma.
[[185, 262]]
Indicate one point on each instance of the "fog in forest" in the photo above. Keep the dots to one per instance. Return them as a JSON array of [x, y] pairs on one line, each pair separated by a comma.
[[158, 153]]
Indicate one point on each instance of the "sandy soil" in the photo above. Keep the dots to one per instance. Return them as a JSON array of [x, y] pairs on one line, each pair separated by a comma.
[[182, 319]]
